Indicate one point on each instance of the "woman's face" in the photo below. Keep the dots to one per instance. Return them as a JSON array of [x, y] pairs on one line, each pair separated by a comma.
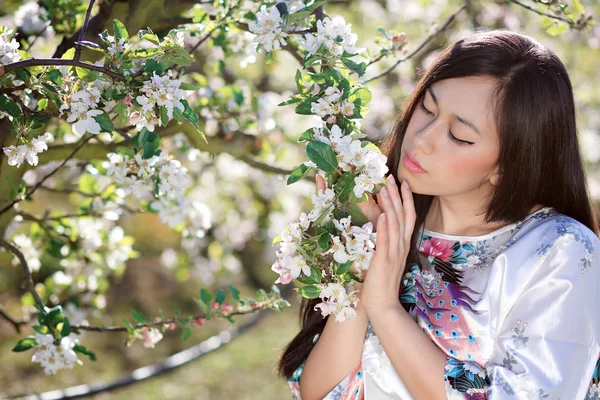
[[459, 107]]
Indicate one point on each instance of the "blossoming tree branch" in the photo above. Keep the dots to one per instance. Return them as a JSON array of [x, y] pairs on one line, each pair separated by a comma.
[[112, 101]]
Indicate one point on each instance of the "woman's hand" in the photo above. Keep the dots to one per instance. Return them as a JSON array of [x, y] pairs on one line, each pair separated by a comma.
[[394, 230], [370, 208]]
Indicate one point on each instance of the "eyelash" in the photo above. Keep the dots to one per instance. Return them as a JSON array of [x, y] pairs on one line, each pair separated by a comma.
[[452, 137]]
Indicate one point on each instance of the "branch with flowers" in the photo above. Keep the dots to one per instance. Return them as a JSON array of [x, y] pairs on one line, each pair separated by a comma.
[[121, 109]]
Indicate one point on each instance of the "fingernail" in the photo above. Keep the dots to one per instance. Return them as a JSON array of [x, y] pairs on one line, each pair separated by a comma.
[[383, 217], [385, 192], [392, 180]]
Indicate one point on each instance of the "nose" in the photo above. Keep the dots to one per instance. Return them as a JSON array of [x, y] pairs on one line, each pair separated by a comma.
[[425, 139]]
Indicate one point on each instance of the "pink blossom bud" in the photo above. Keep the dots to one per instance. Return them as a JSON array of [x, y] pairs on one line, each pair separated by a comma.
[[215, 305], [200, 321], [127, 100], [227, 308], [332, 119], [171, 326]]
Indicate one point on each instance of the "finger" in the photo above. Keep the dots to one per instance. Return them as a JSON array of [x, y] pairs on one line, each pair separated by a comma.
[[410, 215], [393, 190], [320, 183], [381, 242], [392, 223]]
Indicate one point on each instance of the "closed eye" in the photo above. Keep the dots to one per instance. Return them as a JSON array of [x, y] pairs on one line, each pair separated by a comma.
[[452, 137]]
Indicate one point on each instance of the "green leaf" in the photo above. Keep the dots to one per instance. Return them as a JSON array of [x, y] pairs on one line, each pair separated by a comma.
[[307, 135], [87, 74], [315, 274], [189, 113], [323, 155], [105, 122], [344, 186], [360, 69], [309, 292], [341, 269], [151, 66], [120, 30], [149, 36], [305, 108], [66, 329], [37, 121], [220, 298], [144, 53], [358, 218], [85, 351], [206, 296], [68, 54], [316, 4], [91, 45], [10, 107], [25, 344], [187, 332], [234, 293], [300, 172], [164, 117], [306, 280], [363, 94], [43, 329], [324, 240], [299, 83], [138, 316], [298, 15], [190, 86]]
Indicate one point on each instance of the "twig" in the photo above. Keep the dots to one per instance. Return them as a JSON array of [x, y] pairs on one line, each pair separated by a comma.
[[421, 46], [37, 185], [28, 282], [83, 30], [556, 17], [156, 323], [13, 89], [32, 62]]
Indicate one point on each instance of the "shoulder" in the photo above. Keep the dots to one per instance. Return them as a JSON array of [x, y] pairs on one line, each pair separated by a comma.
[[564, 240]]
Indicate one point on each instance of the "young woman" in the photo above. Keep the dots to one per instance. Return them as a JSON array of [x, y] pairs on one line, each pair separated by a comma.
[[485, 282]]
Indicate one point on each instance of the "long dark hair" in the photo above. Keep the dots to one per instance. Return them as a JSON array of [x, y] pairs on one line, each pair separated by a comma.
[[535, 110]]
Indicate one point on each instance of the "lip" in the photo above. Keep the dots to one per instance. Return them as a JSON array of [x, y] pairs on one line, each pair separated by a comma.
[[411, 163]]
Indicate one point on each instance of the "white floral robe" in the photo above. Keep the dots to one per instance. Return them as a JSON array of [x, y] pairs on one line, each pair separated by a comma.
[[516, 311]]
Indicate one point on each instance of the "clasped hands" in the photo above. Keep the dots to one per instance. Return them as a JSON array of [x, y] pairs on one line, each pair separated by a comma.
[[393, 217]]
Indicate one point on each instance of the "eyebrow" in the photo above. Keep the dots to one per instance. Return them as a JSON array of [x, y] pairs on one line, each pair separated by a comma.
[[463, 120]]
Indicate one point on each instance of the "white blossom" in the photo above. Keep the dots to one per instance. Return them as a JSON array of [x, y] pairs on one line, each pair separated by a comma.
[[27, 248]]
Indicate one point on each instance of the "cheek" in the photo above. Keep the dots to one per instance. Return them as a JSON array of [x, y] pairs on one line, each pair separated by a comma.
[[470, 167]]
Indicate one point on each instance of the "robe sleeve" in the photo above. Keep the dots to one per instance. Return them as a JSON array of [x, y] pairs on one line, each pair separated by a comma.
[[547, 345], [351, 387]]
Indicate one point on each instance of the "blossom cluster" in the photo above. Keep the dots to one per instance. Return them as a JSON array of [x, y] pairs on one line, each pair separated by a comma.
[[164, 181], [366, 162], [268, 28], [335, 35], [28, 151], [161, 91], [83, 106], [329, 106], [8, 47], [32, 19], [54, 357]]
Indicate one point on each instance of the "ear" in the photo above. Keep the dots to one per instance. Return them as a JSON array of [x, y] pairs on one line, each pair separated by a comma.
[[495, 177]]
